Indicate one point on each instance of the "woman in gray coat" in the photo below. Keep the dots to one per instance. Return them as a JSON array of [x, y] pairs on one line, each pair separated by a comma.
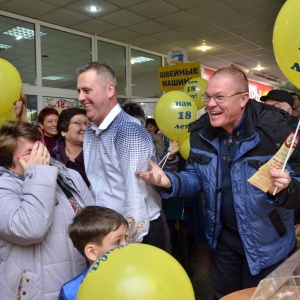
[[38, 201]]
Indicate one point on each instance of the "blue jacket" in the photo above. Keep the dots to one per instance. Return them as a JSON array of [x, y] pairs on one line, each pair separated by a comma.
[[265, 223], [70, 289]]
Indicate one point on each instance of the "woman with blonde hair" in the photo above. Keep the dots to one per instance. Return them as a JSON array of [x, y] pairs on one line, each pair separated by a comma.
[[20, 109]]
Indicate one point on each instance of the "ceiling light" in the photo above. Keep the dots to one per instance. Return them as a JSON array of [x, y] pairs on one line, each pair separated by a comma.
[[2, 46], [204, 47], [21, 32], [140, 59], [258, 68], [93, 8]]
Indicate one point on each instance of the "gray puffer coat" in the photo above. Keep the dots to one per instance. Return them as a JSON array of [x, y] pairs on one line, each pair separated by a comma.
[[36, 254]]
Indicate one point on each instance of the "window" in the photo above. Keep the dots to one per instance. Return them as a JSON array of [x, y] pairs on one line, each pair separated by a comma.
[[17, 46], [114, 56], [62, 54]]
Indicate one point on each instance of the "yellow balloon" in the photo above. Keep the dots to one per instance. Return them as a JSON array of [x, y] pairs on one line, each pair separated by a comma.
[[7, 116], [173, 112], [10, 85], [195, 88], [136, 271], [286, 41], [184, 146]]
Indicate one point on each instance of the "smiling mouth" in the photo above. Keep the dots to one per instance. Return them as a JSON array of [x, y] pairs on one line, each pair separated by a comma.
[[215, 113]]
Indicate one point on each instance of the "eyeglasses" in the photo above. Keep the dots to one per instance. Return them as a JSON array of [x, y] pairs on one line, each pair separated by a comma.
[[220, 98], [80, 123]]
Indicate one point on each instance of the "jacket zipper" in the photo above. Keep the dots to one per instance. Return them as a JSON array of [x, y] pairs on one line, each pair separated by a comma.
[[216, 204]]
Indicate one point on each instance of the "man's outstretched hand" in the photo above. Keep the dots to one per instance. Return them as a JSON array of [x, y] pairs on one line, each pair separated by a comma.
[[156, 176]]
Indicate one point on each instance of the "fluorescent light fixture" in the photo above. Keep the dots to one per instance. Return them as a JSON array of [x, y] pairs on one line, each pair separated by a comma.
[[52, 78], [93, 8], [2, 46], [22, 33], [140, 59]]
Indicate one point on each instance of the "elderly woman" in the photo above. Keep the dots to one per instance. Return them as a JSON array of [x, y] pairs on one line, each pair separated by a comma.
[[71, 127], [47, 120], [37, 203], [20, 109]]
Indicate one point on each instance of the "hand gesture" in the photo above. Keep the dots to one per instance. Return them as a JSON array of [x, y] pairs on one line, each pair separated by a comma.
[[156, 176]]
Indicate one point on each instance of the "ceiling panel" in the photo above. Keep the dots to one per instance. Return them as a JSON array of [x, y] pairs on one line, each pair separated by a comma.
[[239, 31], [98, 26], [147, 27], [153, 8], [32, 8], [123, 18]]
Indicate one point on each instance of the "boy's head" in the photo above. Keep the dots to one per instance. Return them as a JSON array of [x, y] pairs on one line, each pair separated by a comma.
[[96, 229]]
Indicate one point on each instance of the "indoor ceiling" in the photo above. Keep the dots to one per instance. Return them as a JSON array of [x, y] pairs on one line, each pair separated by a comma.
[[239, 32]]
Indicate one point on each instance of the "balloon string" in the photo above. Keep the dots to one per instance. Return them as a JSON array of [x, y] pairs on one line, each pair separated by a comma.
[[164, 160]]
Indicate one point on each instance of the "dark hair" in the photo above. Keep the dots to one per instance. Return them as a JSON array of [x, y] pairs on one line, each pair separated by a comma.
[[46, 111], [102, 70], [10, 133], [92, 224], [134, 110], [64, 119], [151, 121]]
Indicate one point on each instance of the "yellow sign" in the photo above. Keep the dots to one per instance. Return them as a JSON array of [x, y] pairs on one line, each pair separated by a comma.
[[175, 77]]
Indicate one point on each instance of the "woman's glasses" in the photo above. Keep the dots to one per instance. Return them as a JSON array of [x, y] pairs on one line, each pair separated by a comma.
[[80, 123]]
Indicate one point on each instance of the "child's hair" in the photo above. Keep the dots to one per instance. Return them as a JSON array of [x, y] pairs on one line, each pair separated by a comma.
[[92, 224]]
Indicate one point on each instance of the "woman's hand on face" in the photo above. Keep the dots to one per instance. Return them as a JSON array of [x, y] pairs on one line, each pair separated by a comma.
[[39, 156]]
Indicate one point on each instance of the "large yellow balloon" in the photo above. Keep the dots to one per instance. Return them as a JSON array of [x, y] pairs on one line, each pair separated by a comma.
[[184, 146], [195, 88], [7, 116], [286, 41], [173, 112], [136, 272], [10, 86]]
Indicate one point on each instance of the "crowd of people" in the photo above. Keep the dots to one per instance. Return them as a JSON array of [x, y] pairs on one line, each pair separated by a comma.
[[92, 178]]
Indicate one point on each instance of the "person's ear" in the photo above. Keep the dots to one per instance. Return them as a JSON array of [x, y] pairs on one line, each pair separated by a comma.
[[63, 133], [41, 125], [91, 252], [244, 100], [111, 90]]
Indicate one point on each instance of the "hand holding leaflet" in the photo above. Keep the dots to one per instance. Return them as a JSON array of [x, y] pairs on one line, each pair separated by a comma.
[[262, 178]]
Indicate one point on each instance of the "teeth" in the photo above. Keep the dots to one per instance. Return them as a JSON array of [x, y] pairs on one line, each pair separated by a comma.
[[87, 105]]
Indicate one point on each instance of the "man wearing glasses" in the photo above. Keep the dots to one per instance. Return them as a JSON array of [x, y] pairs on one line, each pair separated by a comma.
[[249, 232]]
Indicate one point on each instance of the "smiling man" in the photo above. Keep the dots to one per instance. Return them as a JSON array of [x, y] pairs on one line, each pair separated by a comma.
[[249, 232], [114, 147]]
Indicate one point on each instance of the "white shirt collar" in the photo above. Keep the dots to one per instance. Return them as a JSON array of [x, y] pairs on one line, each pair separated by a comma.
[[108, 119]]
